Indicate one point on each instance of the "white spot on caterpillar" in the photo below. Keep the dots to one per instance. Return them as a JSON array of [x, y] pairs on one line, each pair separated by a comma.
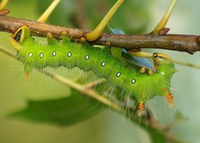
[[69, 54], [87, 57], [133, 81], [103, 64], [54, 53], [162, 73], [41, 55], [30, 54], [118, 74]]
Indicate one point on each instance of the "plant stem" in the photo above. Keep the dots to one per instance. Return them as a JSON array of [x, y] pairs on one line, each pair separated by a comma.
[[182, 43]]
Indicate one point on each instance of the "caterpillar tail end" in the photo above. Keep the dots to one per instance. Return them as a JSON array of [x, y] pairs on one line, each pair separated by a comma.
[[140, 108]]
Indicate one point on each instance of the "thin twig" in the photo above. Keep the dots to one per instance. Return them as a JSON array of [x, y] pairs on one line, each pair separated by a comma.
[[183, 43], [187, 64], [94, 83]]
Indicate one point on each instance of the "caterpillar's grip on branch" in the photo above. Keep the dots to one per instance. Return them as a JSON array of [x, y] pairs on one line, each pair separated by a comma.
[[133, 83]]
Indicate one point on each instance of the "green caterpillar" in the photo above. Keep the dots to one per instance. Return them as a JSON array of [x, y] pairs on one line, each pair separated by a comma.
[[138, 85], [133, 82]]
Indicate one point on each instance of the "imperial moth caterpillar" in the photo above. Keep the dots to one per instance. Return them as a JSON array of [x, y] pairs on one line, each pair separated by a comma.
[[137, 85], [133, 82]]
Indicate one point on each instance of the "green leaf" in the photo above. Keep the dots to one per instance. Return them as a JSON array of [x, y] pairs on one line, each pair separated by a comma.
[[63, 111], [159, 136], [156, 136]]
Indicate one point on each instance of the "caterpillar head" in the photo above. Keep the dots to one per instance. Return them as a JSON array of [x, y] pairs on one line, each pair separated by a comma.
[[19, 37], [160, 59], [163, 64]]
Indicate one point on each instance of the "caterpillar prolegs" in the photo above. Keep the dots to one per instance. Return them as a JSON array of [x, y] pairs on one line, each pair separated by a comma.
[[133, 82]]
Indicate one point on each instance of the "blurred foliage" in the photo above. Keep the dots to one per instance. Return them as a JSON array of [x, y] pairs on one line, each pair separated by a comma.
[[133, 16], [63, 111]]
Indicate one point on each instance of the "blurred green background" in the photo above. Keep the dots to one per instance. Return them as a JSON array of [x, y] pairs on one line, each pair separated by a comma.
[[135, 16]]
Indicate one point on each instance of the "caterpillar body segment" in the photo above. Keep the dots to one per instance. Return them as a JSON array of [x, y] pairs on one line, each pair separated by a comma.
[[137, 85]]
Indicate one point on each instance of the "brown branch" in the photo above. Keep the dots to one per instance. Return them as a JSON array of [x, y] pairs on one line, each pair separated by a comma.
[[183, 43]]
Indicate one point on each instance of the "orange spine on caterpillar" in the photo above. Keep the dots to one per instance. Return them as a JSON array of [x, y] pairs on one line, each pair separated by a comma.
[[140, 108]]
